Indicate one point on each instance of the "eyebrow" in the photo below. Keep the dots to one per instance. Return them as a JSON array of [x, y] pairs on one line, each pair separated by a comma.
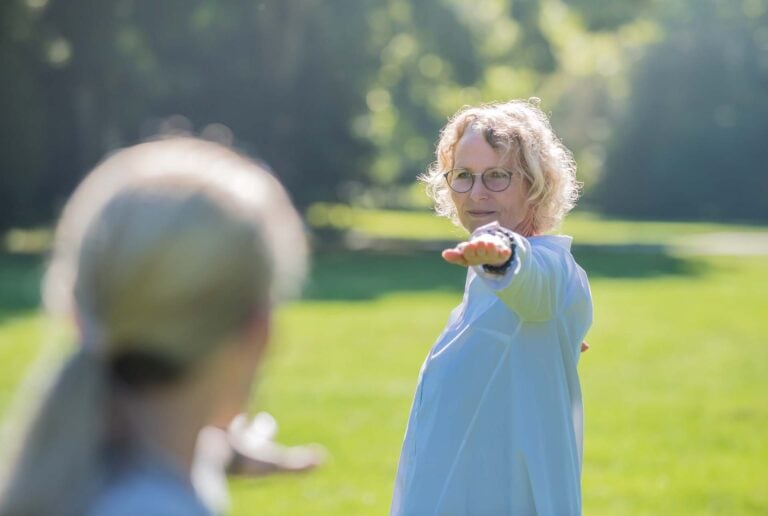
[[497, 167]]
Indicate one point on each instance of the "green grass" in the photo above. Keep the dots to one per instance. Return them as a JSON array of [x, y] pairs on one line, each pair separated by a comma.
[[585, 227], [674, 385], [588, 228]]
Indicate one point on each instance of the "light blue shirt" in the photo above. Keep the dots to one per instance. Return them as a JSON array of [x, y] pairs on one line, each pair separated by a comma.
[[496, 422], [149, 486]]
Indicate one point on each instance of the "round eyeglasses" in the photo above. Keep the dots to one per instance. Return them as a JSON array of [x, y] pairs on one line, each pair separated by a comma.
[[461, 180]]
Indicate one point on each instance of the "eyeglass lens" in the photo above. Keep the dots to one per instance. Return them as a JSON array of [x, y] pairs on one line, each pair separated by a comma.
[[494, 179]]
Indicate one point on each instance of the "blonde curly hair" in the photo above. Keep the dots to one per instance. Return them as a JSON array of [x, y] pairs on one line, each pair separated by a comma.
[[518, 130]]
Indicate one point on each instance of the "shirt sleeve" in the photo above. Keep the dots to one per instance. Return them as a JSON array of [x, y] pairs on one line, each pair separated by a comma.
[[531, 285]]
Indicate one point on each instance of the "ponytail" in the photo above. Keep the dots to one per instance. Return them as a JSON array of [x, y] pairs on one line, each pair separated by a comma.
[[58, 465], [164, 252]]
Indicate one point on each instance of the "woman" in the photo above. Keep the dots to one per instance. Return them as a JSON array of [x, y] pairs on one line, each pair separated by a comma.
[[171, 254], [496, 423]]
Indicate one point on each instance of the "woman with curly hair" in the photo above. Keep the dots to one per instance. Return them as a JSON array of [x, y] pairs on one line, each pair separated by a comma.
[[496, 422]]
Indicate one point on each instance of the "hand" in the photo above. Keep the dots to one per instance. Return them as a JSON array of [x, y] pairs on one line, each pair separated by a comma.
[[482, 250], [271, 458], [584, 346], [256, 453]]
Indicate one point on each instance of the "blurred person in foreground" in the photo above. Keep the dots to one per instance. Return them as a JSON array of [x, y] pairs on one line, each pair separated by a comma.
[[496, 423], [172, 255]]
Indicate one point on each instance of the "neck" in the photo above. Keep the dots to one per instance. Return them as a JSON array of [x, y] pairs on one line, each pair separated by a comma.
[[165, 422], [526, 227]]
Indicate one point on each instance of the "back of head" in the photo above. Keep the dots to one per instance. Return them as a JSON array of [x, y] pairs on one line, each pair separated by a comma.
[[163, 252], [172, 244], [178, 191]]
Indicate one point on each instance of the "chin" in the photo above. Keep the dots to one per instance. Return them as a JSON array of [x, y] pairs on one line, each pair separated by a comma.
[[473, 224], [470, 226]]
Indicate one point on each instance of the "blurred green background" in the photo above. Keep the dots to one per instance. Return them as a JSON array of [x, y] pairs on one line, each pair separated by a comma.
[[664, 104]]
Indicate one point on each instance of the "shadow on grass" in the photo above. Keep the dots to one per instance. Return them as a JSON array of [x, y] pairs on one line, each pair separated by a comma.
[[20, 276], [360, 275], [349, 275], [633, 261]]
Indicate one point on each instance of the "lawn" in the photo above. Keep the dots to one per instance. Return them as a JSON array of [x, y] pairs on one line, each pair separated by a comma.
[[586, 227], [674, 385]]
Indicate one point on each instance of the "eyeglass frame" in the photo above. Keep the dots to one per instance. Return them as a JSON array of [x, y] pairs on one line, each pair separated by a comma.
[[482, 178]]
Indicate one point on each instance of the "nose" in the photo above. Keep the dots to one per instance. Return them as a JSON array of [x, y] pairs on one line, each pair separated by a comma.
[[478, 190]]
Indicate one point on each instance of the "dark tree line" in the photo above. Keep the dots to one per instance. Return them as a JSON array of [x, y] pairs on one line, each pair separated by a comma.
[[694, 140], [82, 77], [338, 92]]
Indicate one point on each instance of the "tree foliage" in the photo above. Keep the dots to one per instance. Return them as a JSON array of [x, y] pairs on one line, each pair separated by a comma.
[[692, 142], [339, 96], [285, 77]]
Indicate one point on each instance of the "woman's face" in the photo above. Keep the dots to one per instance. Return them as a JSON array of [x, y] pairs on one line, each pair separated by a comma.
[[479, 205]]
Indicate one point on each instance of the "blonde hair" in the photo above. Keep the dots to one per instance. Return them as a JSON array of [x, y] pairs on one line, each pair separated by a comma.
[[164, 251], [517, 130]]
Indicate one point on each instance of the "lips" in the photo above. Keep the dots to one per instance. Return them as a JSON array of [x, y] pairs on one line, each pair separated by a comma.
[[480, 213]]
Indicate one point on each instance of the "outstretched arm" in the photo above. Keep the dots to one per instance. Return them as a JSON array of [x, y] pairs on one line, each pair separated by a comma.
[[528, 281], [484, 249]]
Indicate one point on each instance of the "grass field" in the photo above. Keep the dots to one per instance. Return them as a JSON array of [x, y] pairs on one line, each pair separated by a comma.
[[675, 384]]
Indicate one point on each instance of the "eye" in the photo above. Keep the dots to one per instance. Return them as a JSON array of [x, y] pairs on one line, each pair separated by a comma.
[[497, 173], [462, 174]]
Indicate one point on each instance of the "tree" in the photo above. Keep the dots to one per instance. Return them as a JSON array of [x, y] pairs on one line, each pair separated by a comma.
[[331, 94], [285, 76], [692, 142]]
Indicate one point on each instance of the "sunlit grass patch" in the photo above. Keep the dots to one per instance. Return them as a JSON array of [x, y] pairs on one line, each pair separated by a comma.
[[586, 227], [674, 385]]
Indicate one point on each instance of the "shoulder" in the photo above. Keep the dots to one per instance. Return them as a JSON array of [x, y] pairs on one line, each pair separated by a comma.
[[556, 248], [149, 493], [556, 244], [550, 253]]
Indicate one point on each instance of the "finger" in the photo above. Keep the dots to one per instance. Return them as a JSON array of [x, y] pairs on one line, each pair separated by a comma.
[[454, 256], [471, 255], [301, 458], [474, 250], [584, 346], [479, 253], [486, 246], [483, 248], [490, 247], [497, 258], [270, 458]]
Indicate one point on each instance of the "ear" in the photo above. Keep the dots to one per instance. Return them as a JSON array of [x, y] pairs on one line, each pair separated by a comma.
[[258, 330], [78, 324], [241, 363]]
